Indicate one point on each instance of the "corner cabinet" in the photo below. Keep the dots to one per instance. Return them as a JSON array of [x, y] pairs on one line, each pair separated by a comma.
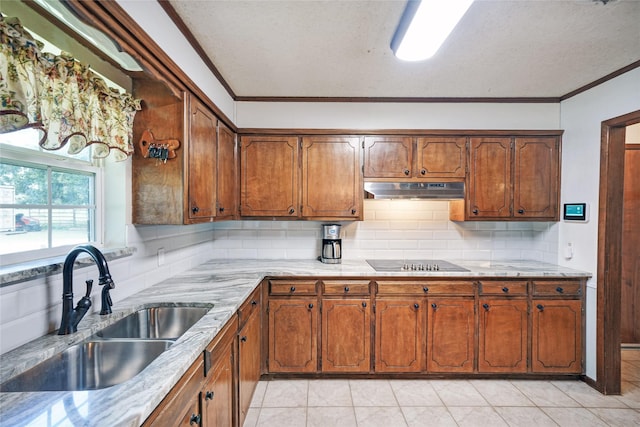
[[291, 177], [511, 178], [185, 188]]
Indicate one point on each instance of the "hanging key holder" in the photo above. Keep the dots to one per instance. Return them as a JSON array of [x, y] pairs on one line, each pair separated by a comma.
[[161, 150]]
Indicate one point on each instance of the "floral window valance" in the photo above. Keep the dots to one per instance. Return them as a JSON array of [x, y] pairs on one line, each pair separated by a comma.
[[67, 102]]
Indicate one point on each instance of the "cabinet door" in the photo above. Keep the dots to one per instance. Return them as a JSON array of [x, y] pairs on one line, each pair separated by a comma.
[[489, 178], [269, 176], [293, 332], [388, 157], [556, 345], [450, 335], [331, 177], [441, 157], [227, 204], [346, 335], [400, 338], [502, 335], [217, 393], [535, 178], [202, 163], [249, 358]]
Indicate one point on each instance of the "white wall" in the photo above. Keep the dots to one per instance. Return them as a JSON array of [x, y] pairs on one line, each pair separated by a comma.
[[581, 118]]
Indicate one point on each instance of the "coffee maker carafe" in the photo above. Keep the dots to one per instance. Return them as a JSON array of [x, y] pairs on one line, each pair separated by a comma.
[[331, 244]]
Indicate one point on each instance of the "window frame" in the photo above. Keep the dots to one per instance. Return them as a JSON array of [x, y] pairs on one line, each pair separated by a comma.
[[29, 157]]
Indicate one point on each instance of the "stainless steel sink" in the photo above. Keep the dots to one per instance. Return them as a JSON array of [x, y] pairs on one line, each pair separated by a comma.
[[161, 322], [90, 365]]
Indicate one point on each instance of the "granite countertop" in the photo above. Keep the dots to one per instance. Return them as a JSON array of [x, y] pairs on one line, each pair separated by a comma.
[[223, 283]]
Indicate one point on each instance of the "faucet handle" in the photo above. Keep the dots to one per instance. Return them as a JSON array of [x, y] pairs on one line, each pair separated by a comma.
[[89, 286]]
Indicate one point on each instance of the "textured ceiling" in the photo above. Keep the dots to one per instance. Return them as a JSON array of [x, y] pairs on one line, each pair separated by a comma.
[[340, 48]]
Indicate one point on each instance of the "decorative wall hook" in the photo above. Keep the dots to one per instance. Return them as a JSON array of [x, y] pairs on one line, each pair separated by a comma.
[[162, 150]]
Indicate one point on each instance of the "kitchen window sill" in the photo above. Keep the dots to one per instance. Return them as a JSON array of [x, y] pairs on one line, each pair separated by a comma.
[[22, 272]]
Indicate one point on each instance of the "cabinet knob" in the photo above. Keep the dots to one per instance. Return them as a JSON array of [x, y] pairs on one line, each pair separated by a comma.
[[310, 306], [406, 172], [254, 302], [559, 290], [293, 289], [521, 211], [195, 209], [243, 339], [540, 307], [195, 419], [425, 289], [353, 211], [485, 306], [364, 304], [434, 305], [292, 211], [423, 171], [475, 211], [416, 306], [208, 395], [221, 209], [346, 289], [505, 290]]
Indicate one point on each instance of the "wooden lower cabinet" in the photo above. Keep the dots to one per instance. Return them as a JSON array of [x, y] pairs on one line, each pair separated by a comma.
[[249, 360], [400, 335], [293, 335], [216, 397], [556, 344], [450, 335], [346, 335], [502, 335]]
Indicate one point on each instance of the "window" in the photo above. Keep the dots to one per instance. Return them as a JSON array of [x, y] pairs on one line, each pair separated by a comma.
[[49, 201]]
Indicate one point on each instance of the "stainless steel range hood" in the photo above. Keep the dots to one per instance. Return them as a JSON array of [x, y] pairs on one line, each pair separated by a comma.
[[415, 190]]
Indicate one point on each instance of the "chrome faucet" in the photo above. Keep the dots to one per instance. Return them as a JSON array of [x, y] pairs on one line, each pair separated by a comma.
[[72, 316]]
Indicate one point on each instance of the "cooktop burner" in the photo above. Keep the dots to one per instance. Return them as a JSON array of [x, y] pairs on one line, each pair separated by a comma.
[[410, 265]]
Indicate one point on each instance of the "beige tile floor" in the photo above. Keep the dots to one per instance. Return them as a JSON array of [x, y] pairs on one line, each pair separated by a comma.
[[397, 403]]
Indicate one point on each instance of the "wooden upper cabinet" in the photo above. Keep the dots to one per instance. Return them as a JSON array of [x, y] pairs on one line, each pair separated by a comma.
[[227, 200], [269, 176], [489, 178], [388, 157], [331, 177], [441, 157], [202, 163], [536, 178]]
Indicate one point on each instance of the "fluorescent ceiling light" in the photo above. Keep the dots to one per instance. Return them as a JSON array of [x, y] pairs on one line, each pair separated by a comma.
[[424, 26]]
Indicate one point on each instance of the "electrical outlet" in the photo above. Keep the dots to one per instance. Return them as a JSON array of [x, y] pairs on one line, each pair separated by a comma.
[[160, 256]]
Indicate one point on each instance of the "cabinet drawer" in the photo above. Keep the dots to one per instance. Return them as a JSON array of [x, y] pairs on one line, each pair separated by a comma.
[[557, 288], [496, 287], [249, 306], [341, 287], [391, 287], [292, 287]]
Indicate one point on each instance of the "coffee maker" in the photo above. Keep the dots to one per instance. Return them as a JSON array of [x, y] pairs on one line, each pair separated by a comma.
[[331, 244]]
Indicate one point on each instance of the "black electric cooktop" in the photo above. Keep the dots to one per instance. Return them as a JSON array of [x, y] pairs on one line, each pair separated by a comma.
[[413, 265]]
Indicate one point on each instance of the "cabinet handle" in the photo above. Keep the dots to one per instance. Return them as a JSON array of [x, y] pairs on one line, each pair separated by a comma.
[[521, 211], [243, 339], [195, 419], [505, 289], [310, 306], [416, 306], [254, 302], [346, 289], [559, 290], [485, 306], [475, 211], [540, 307], [195, 209], [221, 209], [364, 304], [208, 395], [434, 305], [423, 171], [425, 289], [293, 289], [292, 211], [406, 172], [353, 211]]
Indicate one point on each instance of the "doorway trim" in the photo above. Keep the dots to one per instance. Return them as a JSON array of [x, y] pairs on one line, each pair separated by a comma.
[[609, 277]]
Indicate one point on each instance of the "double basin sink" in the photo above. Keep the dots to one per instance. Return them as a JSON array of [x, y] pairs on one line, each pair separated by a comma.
[[112, 355]]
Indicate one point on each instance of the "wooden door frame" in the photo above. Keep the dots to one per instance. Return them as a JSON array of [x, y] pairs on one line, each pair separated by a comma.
[[609, 277]]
